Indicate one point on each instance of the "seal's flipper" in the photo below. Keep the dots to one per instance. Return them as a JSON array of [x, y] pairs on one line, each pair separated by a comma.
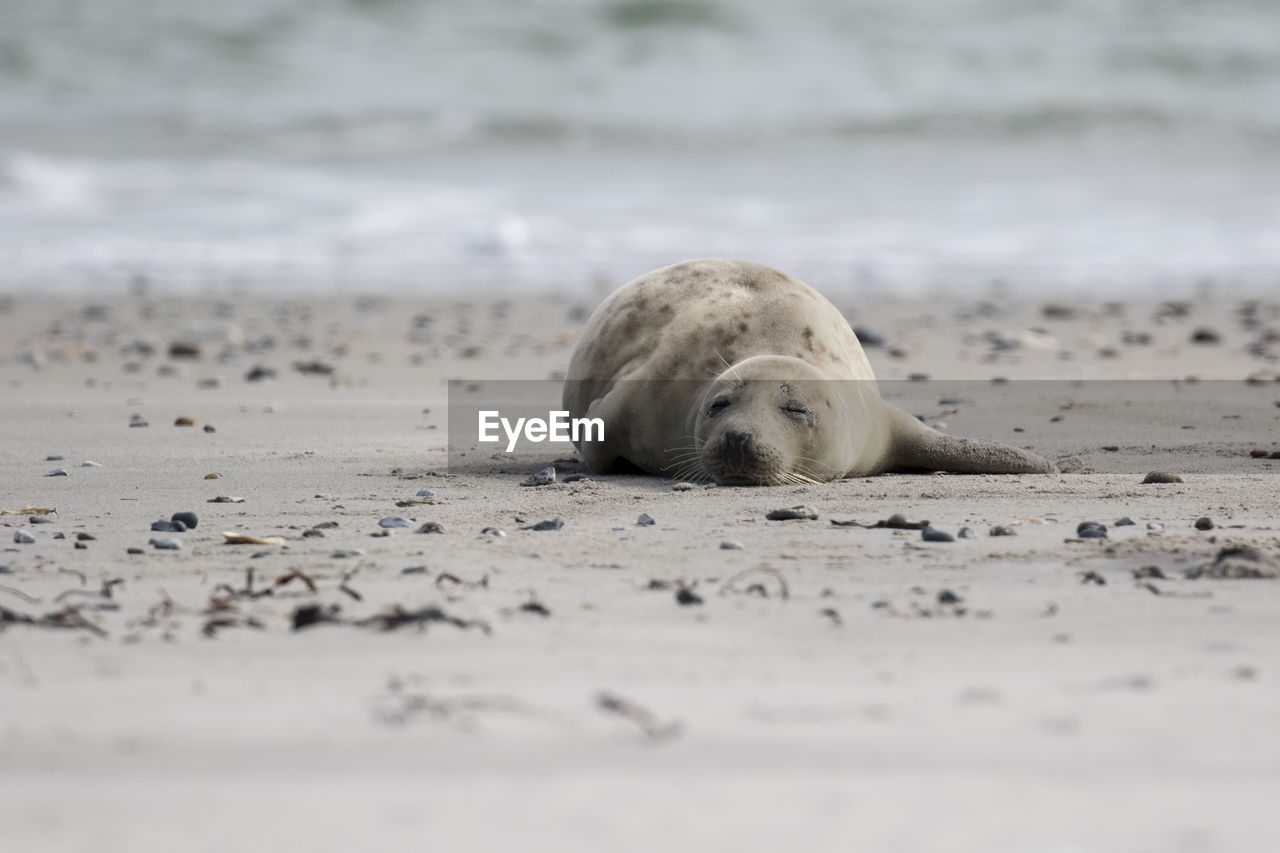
[[916, 447]]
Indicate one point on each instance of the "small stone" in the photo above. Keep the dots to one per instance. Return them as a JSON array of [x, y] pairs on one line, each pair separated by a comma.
[[897, 519], [947, 597], [86, 537], [965, 533], [39, 519], [213, 476], [312, 533], [1149, 573], [394, 521], [57, 472], [80, 546], [493, 531], [1205, 335], [794, 513], [325, 525], [1124, 522], [426, 493], [1091, 530], [1162, 477], [1154, 525], [258, 373], [23, 537], [545, 477], [134, 551], [137, 421], [54, 457], [550, 524], [1259, 454], [347, 553], [166, 544], [430, 527], [225, 499], [209, 428], [184, 422], [1204, 522], [685, 596], [89, 463], [726, 545], [645, 520], [933, 534], [163, 526], [414, 570], [1002, 530], [683, 487], [187, 518]]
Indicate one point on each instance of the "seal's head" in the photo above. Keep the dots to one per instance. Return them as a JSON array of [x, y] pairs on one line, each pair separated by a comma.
[[772, 420]]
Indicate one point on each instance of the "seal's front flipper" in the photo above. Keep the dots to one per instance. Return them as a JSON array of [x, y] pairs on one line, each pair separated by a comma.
[[917, 447], [602, 456]]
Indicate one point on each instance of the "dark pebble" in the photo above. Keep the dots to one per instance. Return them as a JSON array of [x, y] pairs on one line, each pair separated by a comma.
[[1204, 522], [898, 518], [23, 537], [933, 534], [1162, 477], [426, 493], [163, 526], [966, 533], [394, 521], [259, 373], [948, 597], [187, 518], [1205, 335], [802, 513], [550, 524], [686, 596], [209, 428], [1149, 572], [868, 338], [645, 520], [312, 533], [39, 519], [86, 537], [1002, 530], [1091, 530], [414, 570], [134, 551], [166, 544], [1124, 522], [57, 472], [80, 546], [54, 457], [430, 527], [137, 421]]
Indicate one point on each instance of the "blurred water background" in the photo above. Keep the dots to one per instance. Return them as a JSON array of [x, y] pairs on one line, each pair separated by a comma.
[[390, 144]]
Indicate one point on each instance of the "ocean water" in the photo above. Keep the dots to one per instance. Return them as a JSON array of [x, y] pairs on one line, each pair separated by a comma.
[[446, 144]]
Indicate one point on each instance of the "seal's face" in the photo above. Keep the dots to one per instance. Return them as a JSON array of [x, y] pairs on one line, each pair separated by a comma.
[[770, 421]]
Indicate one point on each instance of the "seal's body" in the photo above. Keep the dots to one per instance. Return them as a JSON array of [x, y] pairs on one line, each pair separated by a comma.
[[736, 372]]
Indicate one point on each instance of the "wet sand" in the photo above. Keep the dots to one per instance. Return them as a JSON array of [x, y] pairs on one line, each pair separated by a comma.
[[836, 687]]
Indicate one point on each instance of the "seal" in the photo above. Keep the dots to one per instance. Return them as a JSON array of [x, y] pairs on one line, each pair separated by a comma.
[[736, 372]]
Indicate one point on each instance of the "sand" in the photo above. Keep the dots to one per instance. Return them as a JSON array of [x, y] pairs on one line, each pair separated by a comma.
[[856, 688]]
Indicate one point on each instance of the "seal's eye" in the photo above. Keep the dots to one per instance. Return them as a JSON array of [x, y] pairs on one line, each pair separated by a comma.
[[799, 411], [717, 406]]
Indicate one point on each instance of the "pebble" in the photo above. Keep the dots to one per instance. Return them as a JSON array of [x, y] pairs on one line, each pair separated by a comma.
[[1002, 530], [54, 457], [213, 476], [86, 537], [209, 428], [550, 524], [933, 534], [431, 527], [1205, 335], [258, 373], [426, 493], [89, 463], [645, 520], [225, 499], [350, 552], [163, 526], [187, 518], [1204, 522], [394, 521], [493, 531], [39, 519], [134, 551], [1091, 530], [57, 472], [184, 422], [1259, 454], [80, 546], [167, 544], [965, 533], [683, 487], [947, 597], [545, 477], [23, 537], [1154, 525], [414, 570], [802, 513], [312, 533], [686, 596], [726, 545], [1162, 477], [1124, 522], [137, 421]]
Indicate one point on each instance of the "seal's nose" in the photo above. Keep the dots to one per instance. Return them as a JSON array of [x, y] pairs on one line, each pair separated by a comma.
[[736, 445]]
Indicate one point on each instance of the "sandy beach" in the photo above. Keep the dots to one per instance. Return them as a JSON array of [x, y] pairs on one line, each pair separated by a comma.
[[711, 681]]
